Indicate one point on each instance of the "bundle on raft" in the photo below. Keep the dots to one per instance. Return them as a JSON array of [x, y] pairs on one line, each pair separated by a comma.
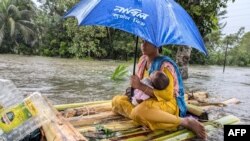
[[96, 121]]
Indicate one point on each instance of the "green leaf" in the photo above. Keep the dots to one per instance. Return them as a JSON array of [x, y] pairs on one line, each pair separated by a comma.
[[27, 32], [1, 34], [12, 26], [196, 10], [120, 73], [104, 131], [13, 11]]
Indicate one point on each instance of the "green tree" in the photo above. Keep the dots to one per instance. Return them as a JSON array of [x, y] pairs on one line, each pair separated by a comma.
[[123, 45], [57, 7], [240, 54], [218, 45], [53, 39], [206, 16], [85, 40], [16, 27]]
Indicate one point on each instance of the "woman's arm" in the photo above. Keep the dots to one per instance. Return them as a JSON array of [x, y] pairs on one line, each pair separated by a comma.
[[136, 84], [166, 94]]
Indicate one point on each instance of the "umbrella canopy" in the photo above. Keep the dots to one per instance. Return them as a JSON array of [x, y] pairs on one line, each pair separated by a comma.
[[160, 22]]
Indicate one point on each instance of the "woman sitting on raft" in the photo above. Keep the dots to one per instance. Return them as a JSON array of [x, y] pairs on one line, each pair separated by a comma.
[[165, 109]]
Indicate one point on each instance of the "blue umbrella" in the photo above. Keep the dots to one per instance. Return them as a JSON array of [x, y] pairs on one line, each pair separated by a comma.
[[160, 22]]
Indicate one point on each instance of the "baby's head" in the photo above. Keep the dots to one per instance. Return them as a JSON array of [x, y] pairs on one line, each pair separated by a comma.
[[159, 80]]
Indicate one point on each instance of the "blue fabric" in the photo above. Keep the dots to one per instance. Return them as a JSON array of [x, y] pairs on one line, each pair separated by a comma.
[[156, 65], [161, 22]]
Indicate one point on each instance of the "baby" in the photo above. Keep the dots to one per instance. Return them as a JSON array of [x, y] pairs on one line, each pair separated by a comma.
[[157, 80]]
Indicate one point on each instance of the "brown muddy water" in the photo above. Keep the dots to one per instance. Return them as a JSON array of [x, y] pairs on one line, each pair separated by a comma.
[[72, 80]]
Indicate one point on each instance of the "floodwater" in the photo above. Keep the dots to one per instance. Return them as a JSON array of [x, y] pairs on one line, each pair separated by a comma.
[[62, 80], [72, 80]]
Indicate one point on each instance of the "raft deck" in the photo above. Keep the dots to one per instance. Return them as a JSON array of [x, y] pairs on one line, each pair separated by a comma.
[[96, 121]]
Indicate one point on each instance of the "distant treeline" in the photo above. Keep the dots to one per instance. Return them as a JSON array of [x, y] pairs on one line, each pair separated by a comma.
[[31, 30]]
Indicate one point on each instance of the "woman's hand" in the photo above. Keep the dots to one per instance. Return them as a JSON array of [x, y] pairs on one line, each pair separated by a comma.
[[135, 82]]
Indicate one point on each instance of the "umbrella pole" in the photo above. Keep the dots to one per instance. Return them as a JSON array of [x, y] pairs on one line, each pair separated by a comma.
[[135, 55]]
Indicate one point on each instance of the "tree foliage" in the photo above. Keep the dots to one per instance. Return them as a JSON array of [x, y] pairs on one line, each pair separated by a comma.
[[16, 25], [240, 54], [237, 48], [86, 41], [26, 28]]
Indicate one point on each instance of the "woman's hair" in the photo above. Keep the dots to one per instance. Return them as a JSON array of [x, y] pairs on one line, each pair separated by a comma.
[[160, 81]]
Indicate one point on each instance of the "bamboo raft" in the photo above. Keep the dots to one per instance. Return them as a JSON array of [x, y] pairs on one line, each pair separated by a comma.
[[96, 121]]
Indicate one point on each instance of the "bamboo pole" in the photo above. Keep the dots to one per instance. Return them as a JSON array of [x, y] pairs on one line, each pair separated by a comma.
[[201, 96], [59, 129], [184, 134], [225, 103], [199, 112], [231, 101], [76, 105], [147, 136], [119, 135], [93, 119], [201, 103], [50, 133], [195, 110], [114, 126], [87, 110], [127, 136], [209, 126]]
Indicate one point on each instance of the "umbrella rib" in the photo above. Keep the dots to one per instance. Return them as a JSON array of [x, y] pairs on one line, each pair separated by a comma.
[[89, 8]]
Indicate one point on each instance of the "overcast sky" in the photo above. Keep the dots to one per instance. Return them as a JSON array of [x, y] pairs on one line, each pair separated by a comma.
[[238, 16]]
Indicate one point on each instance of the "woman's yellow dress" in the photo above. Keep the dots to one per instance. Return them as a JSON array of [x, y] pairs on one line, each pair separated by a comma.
[[160, 112]]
